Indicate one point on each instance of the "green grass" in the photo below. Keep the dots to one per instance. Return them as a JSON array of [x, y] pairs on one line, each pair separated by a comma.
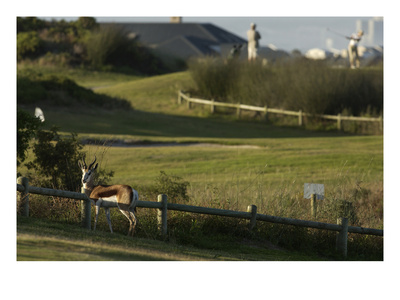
[[310, 160], [287, 158], [155, 94], [42, 240], [271, 176], [158, 117], [267, 176]]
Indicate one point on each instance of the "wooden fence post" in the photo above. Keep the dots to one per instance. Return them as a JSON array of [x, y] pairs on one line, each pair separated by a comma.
[[188, 101], [339, 122], [162, 215], [212, 106], [313, 206], [253, 210], [238, 110], [266, 113], [86, 212], [300, 117], [341, 238], [179, 97], [24, 196]]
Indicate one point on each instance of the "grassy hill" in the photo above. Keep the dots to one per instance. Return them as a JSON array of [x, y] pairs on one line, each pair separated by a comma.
[[156, 115]]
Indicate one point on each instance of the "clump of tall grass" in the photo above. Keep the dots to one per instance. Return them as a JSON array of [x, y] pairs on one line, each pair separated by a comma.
[[297, 84], [213, 77]]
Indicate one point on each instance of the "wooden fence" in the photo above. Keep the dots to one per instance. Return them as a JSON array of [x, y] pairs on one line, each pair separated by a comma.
[[266, 110], [163, 206]]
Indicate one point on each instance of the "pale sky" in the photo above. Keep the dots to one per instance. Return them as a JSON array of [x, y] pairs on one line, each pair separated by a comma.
[[286, 33]]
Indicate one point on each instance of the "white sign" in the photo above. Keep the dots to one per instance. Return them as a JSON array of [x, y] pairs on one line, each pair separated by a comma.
[[314, 188]]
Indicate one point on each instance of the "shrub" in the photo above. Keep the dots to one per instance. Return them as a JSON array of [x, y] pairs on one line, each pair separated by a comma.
[[29, 24], [84, 42], [254, 85], [101, 43], [56, 160], [296, 84], [172, 186], [63, 59], [34, 88], [214, 78], [86, 23], [111, 45], [28, 44], [27, 126]]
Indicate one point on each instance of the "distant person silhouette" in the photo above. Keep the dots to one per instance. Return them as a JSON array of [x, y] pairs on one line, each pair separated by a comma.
[[235, 52], [252, 47], [353, 49]]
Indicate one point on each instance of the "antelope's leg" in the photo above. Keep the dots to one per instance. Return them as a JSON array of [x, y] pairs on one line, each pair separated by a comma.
[[130, 216], [133, 225], [107, 210]]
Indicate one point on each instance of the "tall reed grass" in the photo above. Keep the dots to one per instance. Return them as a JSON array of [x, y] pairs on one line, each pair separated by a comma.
[[311, 86]]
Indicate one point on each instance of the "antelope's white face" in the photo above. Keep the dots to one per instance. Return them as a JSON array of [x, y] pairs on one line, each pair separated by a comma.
[[88, 173]]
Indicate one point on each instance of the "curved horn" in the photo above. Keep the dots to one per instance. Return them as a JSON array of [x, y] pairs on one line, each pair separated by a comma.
[[82, 164], [91, 165]]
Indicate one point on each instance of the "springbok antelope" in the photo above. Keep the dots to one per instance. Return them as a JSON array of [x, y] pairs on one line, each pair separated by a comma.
[[122, 196]]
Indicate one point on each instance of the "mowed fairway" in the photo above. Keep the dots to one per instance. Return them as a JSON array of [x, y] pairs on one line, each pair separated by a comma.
[[321, 159]]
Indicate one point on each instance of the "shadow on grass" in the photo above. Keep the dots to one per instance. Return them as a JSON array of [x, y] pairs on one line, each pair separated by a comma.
[[140, 123], [43, 240]]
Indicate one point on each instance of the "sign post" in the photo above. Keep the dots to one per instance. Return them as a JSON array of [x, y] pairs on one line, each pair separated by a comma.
[[314, 192]]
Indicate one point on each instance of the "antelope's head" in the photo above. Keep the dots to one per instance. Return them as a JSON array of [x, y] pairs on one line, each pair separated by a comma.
[[88, 173]]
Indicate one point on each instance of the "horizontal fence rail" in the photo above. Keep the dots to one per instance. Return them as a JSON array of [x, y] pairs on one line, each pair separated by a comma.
[[25, 189], [163, 206], [52, 192], [300, 114]]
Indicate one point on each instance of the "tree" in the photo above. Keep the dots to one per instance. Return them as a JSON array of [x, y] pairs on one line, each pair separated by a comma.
[[56, 160], [88, 23], [28, 44], [27, 126], [29, 24]]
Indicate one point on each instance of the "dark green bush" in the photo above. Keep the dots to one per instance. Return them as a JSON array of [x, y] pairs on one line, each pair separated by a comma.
[[111, 45], [84, 42], [101, 43], [34, 88], [173, 186], [297, 84], [27, 126], [214, 78], [29, 24], [28, 44], [56, 160]]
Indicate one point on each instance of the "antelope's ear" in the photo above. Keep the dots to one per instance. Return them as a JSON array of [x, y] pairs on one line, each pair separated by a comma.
[[80, 164]]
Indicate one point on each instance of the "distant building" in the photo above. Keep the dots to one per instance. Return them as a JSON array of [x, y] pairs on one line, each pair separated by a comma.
[[373, 31], [179, 41]]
